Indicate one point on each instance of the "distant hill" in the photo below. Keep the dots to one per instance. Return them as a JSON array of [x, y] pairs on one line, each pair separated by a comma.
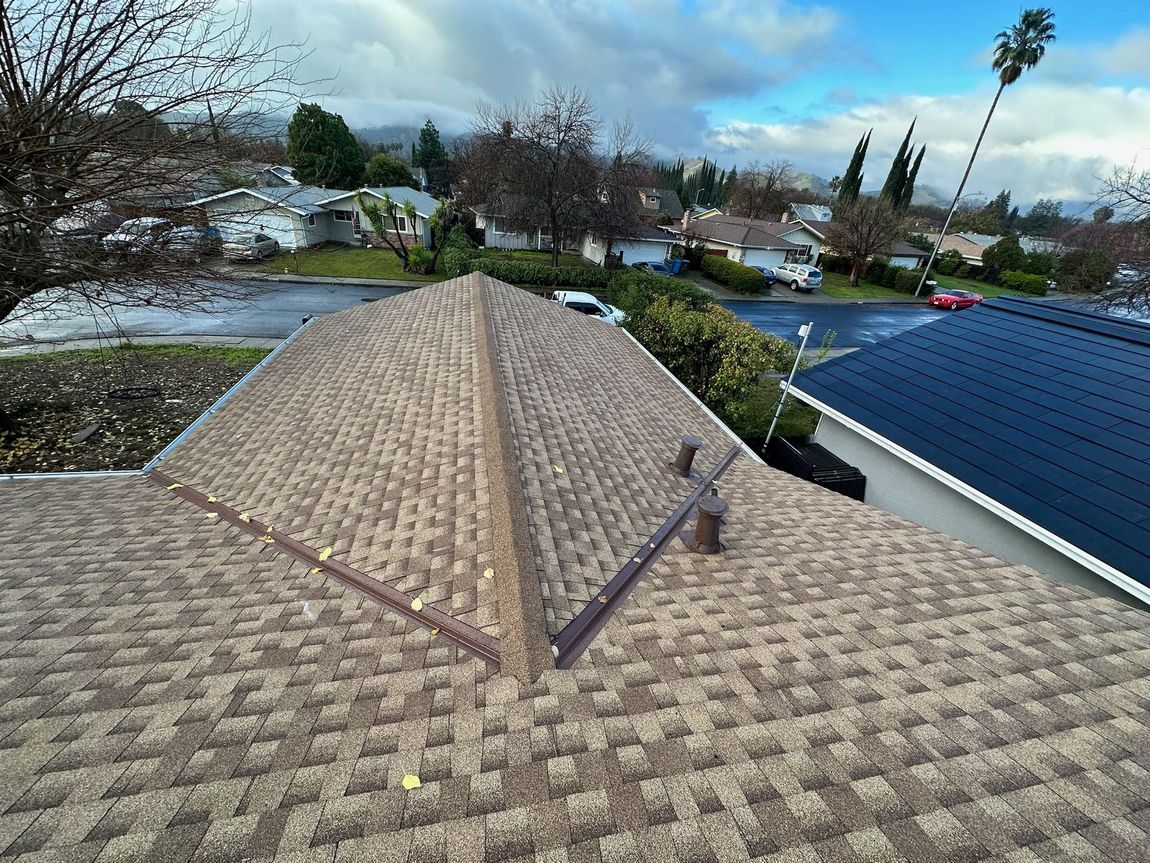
[[391, 133]]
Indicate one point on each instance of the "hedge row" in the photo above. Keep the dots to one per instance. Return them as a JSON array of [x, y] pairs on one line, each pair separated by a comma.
[[734, 275], [527, 273], [1025, 282]]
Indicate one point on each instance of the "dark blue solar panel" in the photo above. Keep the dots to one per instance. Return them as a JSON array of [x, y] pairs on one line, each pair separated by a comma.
[[1046, 409]]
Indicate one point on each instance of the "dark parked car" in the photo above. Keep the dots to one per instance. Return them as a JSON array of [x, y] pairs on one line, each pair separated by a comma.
[[653, 268], [190, 241], [955, 299], [768, 274]]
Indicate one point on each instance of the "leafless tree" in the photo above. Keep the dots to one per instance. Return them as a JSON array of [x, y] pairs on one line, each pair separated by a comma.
[[120, 106], [543, 165], [1126, 238], [760, 191], [861, 229]]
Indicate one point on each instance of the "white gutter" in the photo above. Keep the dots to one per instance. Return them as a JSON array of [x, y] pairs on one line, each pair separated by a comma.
[[1083, 558], [251, 192], [696, 400]]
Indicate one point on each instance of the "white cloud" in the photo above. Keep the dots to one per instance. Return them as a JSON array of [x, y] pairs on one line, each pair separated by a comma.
[[1051, 140]]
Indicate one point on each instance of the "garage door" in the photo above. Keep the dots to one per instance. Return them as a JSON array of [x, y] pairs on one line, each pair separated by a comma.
[[278, 226]]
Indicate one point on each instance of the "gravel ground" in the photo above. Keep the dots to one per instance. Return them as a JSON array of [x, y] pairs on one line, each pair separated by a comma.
[[68, 417]]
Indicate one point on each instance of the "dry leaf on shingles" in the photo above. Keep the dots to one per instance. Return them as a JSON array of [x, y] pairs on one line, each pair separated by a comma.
[[211, 498], [434, 631], [325, 554], [410, 783], [244, 517], [315, 570], [602, 599], [417, 604], [556, 468], [489, 573], [211, 515], [175, 486]]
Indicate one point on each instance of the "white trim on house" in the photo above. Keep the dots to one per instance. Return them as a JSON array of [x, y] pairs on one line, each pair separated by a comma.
[[398, 201], [1083, 558], [253, 193]]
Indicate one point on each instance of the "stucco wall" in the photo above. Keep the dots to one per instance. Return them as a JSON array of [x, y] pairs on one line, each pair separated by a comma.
[[897, 487]]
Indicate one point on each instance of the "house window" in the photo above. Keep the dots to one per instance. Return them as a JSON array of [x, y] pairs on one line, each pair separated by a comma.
[[341, 215], [500, 228], [401, 224], [311, 221]]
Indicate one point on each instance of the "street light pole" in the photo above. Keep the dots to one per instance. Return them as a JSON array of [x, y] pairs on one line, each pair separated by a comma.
[[805, 332], [942, 233]]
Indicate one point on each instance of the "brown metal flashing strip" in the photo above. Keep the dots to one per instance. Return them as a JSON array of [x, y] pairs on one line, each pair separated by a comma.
[[525, 651], [574, 638], [461, 634]]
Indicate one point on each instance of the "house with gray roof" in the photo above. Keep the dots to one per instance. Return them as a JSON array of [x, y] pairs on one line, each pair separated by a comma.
[[749, 241], [445, 579]]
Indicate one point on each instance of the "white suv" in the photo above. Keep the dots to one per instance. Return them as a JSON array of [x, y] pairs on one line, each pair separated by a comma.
[[800, 277], [589, 305]]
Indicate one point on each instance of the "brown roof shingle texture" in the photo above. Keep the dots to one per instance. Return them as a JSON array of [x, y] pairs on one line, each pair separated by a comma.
[[837, 684], [372, 448]]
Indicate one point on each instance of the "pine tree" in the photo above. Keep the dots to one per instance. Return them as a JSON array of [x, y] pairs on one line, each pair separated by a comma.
[[852, 179], [908, 188], [896, 176], [322, 149], [431, 155], [414, 158]]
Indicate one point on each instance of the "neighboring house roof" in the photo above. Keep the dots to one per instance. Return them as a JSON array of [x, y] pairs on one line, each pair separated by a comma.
[[302, 200], [425, 204], [1057, 429], [643, 232], [835, 683], [900, 249], [815, 212], [284, 173], [970, 251], [666, 201], [733, 231]]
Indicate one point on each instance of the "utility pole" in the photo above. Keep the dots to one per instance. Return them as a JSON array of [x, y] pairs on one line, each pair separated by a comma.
[[805, 332]]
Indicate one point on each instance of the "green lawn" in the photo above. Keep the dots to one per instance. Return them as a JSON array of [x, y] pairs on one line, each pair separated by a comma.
[[836, 285], [987, 290], [345, 262]]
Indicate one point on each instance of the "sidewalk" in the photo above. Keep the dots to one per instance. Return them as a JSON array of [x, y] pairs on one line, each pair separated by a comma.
[[775, 294], [240, 273], [15, 349]]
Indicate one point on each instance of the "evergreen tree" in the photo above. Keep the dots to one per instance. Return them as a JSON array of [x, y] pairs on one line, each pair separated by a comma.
[[414, 158], [999, 210], [899, 167], [851, 183], [384, 169], [732, 182], [322, 149], [908, 189], [431, 155]]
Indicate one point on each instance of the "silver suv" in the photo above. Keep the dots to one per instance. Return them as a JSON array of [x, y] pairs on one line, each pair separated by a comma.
[[800, 277]]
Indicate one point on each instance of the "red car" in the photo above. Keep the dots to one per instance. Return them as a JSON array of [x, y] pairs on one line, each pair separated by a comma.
[[955, 299]]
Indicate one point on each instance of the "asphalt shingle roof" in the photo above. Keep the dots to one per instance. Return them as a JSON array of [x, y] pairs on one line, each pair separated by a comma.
[[837, 684], [1057, 427]]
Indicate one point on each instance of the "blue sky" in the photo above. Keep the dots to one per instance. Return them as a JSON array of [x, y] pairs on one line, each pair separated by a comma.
[[746, 80]]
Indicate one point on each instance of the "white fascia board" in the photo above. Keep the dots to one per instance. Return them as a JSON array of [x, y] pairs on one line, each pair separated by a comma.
[[1084, 558], [251, 192]]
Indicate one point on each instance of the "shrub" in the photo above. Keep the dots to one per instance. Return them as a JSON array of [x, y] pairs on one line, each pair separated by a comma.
[[420, 260], [949, 262], [734, 275], [906, 281], [890, 276], [1004, 255], [458, 251], [840, 264], [528, 273], [963, 271], [1085, 270], [720, 358], [876, 270], [633, 292], [1028, 283]]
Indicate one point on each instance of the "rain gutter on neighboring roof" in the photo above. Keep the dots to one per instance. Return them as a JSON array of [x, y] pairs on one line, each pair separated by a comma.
[[219, 403], [75, 474], [1076, 554]]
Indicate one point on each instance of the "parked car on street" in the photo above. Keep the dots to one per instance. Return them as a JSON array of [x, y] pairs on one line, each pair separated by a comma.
[[653, 268], [955, 299], [137, 235], [589, 305], [768, 274], [799, 277], [250, 247]]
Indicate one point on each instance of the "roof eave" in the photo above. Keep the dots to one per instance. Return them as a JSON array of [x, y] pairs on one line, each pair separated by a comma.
[[1078, 555]]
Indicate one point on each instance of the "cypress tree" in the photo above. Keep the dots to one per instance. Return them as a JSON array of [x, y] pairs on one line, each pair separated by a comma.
[[892, 189], [852, 179], [908, 188]]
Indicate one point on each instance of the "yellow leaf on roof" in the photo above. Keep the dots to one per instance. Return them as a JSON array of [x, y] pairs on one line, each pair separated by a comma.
[[556, 468], [211, 515], [489, 573], [417, 604], [175, 486], [315, 570], [211, 498], [434, 631], [410, 783], [325, 554], [602, 599], [244, 517]]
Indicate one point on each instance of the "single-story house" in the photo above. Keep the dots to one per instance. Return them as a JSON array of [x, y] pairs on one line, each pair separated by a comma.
[[639, 244], [499, 233], [1044, 462], [350, 224], [292, 215], [971, 245], [808, 213], [425, 587], [744, 240], [660, 202], [901, 254]]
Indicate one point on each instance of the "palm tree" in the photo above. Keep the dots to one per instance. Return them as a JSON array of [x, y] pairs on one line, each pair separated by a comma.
[[1017, 50]]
